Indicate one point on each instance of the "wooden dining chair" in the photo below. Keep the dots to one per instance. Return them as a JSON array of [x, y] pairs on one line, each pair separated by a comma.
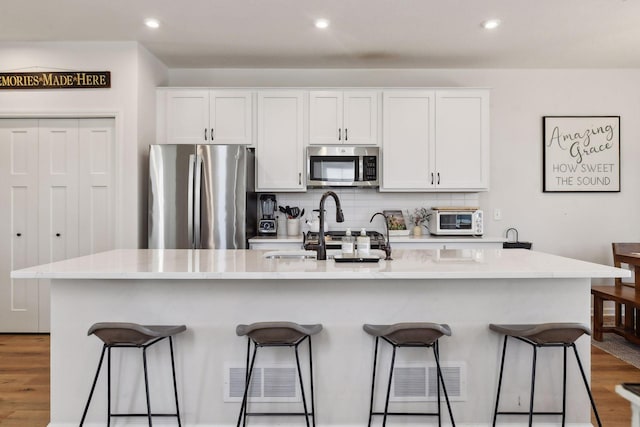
[[629, 311], [624, 295]]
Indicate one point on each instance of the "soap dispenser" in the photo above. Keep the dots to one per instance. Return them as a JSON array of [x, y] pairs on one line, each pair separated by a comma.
[[364, 244], [348, 244]]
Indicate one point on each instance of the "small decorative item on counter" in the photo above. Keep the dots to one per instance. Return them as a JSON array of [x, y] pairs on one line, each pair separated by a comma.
[[348, 244], [418, 218], [395, 223], [364, 244]]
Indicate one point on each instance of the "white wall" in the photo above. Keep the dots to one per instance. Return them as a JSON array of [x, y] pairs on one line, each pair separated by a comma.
[[131, 100], [570, 224]]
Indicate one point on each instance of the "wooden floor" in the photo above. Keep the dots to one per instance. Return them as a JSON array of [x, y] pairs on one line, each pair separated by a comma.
[[24, 383]]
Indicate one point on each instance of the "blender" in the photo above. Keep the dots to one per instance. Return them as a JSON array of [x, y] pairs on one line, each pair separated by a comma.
[[267, 225]]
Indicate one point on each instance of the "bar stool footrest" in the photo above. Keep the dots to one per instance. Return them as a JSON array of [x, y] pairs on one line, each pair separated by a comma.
[[527, 413], [273, 414], [143, 415], [420, 414]]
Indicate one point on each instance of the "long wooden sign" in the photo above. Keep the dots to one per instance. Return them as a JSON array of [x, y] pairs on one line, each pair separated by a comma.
[[56, 80]]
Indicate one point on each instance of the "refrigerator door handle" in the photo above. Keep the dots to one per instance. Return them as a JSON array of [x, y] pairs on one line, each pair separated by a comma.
[[192, 165], [196, 202]]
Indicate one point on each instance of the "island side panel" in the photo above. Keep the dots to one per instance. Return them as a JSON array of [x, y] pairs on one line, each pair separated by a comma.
[[343, 353]]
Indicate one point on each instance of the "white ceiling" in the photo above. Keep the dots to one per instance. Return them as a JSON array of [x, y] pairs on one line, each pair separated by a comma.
[[363, 33]]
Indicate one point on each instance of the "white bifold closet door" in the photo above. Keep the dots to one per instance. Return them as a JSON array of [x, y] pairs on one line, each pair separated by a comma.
[[57, 192]]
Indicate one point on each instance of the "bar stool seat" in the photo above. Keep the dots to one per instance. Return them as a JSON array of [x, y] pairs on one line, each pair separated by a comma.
[[133, 335], [538, 336], [278, 334], [408, 334], [112, 333]]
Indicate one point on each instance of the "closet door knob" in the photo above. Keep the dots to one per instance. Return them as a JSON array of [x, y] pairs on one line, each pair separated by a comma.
[[18, 234], [57, 234]]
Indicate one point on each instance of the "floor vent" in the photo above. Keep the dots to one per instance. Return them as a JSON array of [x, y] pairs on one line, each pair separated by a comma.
[[417, 382], [270, 383]]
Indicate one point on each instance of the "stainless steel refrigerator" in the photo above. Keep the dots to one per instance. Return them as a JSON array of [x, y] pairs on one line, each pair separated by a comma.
[[201, 197]]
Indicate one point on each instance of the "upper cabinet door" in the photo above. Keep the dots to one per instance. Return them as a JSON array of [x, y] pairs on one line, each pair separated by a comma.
[[231, 117], [280, 151], [349, 118], [186, 118], [360, 118], [325, 118], [462, 136], [408, 141]]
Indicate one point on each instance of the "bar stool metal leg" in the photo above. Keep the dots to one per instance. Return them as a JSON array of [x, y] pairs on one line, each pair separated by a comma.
[[146, 384], [436, 353], [504, 351], [386, 403], [109, 386], [564, 384], [175, 385], [313, 407], [373, 381], [533, 384], [586, 385], [243, 407], [93, 386], [304, 399]]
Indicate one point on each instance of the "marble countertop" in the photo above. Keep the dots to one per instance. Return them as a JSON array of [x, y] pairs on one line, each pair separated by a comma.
[[252, 264]]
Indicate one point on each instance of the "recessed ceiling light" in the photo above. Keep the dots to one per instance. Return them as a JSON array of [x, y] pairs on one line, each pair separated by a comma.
[[490, 24], [322, 23], [151, 23]]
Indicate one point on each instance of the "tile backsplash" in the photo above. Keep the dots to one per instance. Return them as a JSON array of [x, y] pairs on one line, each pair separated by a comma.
[[359, 204]]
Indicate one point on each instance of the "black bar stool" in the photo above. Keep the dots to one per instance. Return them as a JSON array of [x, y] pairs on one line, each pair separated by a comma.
[[278, 334], [539, 336], [408, 335], [132, 335]]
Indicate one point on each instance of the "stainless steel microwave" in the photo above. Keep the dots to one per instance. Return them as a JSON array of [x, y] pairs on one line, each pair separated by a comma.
[[342, 166]]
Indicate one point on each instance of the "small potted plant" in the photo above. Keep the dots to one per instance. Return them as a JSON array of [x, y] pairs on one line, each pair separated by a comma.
[[418, 218]]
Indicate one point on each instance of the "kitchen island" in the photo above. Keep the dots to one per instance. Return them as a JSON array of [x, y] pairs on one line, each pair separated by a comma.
[[211, 291]]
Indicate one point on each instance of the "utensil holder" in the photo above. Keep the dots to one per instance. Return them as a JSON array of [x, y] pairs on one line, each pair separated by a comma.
[[293, 226]]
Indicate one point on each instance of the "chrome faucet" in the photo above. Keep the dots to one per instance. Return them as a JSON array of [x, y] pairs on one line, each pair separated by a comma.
[[322, 246], [387, 244]]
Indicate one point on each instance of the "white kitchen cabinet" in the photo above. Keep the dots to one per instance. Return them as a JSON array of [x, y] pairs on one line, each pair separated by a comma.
[[197, 116], [435, 140], [343, 117], [462, 139], [280, 147], [58, 190], [408, 148]]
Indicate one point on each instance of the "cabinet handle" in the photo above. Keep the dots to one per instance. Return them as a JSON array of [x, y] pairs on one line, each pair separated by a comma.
[[431, 178], [57, 234], [213, 134], [346, 135], [299, 178], [205, 134], [339, 134], [18, 234], [438, 178]]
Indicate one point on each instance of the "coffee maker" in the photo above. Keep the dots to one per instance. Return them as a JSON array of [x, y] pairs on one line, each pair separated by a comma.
[[267, 225]]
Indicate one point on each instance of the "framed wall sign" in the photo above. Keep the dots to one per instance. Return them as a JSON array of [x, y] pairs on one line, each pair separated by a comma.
[[581, 153]]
